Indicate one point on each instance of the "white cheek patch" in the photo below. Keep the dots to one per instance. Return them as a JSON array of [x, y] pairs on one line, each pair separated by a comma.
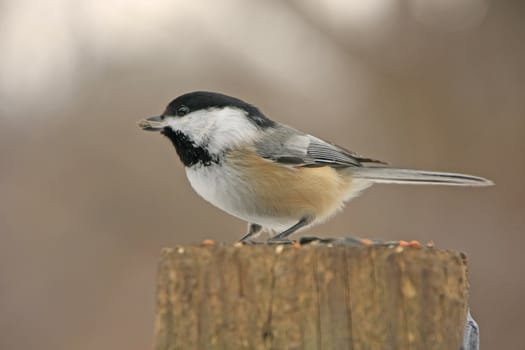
[[232, 128], [193, 125], [216, 129]]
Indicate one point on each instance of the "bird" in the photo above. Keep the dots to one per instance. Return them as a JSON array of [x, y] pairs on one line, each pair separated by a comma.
[[276, 178]]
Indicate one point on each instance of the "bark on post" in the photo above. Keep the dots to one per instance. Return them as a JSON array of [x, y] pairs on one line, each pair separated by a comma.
[[312, 297]]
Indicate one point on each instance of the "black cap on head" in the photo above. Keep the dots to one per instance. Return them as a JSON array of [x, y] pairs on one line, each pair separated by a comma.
[[199, 100]]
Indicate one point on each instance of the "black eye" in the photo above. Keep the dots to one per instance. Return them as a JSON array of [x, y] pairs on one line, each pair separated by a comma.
[[182, 110]]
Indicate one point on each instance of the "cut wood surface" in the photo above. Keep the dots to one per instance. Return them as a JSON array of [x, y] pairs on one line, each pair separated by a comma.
[[312, 297]]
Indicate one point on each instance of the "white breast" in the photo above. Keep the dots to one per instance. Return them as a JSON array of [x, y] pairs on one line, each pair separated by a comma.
[[228, 190]]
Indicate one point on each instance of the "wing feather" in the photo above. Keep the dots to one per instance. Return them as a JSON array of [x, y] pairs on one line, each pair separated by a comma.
[[291, 147]]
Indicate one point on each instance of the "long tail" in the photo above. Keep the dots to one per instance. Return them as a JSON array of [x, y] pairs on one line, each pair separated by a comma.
[[417, 177]]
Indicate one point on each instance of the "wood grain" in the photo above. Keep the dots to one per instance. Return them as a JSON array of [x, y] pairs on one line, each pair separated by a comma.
[[313, 297]]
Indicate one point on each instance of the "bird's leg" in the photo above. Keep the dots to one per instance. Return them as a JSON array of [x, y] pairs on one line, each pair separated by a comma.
[[282, 236], [253, 229]]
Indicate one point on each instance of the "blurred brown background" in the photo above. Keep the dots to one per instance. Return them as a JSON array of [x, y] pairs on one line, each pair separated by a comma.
[[88, 200]]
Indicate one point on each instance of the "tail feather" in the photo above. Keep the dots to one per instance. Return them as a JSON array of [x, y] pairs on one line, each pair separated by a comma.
[[417, 177]]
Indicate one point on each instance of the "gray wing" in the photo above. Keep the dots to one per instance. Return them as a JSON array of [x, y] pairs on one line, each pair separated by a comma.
[[289, 146]]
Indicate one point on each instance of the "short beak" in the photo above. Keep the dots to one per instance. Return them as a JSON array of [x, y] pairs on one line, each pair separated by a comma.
[[152, 124]]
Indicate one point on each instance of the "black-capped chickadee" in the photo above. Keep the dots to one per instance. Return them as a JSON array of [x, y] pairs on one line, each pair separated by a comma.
[[269, 174]]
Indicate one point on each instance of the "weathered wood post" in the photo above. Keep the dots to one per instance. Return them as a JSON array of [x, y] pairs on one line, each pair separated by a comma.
[[312, 297]]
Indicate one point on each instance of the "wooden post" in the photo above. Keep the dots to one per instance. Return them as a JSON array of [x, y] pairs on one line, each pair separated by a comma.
[[312, 297]]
